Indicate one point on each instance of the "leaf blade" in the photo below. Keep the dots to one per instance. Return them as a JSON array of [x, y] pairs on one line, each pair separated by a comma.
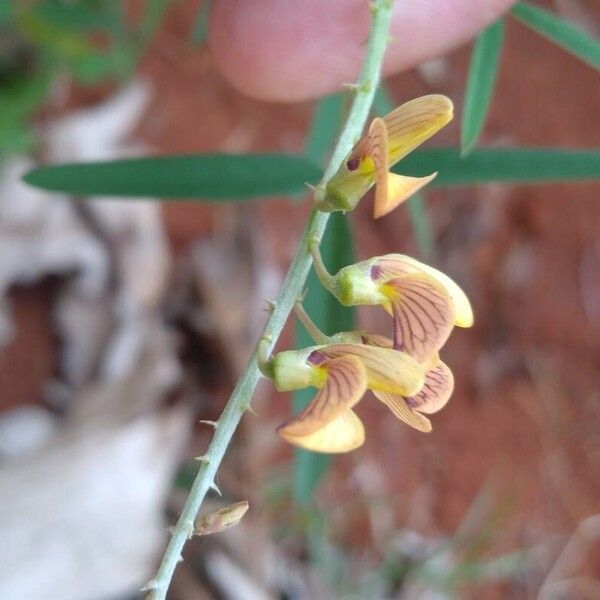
[[508, 165], [200, 176], [483, 71], [564, 34]]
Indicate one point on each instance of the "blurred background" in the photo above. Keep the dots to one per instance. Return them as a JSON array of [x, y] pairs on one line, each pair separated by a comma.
[[124, 323]]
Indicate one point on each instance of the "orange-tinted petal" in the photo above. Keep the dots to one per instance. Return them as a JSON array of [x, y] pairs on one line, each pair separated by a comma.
[[409, 125], [439, 385], [345, 383], [402, 411], [423, 314], [345, 433], [387, 370], [395, 265], [393, 189]]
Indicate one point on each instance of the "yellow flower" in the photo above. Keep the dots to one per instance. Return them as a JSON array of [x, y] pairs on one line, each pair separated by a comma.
[[424, 302], [342, 372], [387, 141]]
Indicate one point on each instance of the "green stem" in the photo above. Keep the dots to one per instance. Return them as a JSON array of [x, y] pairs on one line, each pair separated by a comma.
[[291, 289]]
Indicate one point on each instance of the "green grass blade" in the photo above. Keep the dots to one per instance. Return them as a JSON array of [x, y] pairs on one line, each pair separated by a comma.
[[326, 122], [331, 317], [417, 210], [480, 84], [203, 176], [509, 165], [200, 29], [564, 34]]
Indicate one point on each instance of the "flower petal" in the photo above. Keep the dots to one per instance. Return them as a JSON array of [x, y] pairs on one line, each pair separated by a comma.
[[388, 370], [395, 265], [344, 386], [345, 433], [393, 189], [400, 408], [439, 385], [409, 125], [423, 314]]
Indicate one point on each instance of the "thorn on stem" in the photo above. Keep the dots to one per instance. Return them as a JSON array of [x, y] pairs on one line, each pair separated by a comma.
[[213, 424], [151, 585], [214, 487]]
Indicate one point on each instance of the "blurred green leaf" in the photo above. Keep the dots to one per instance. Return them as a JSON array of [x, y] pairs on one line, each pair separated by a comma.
[[417, 211], [200, 176], [419, 220], [154, 11], [515, 165], [480, 84], [200, 30], [564, 34], [338, 251], [95, 66], [327, 119], [79, 16]]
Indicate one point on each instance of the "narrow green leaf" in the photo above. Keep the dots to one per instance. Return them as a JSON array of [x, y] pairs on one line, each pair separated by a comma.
[[514, 165], [200, 176], [325, 125], [200, 29], [331, 317], [480, 84], [382, 102], [564, 34], [417, 210]]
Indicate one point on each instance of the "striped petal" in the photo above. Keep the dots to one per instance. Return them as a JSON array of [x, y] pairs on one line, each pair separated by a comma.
[[423, 314], [397, 404], [344, 386], [439, 385], [395, 265], [409, 125], [387, 369], [345, 433]]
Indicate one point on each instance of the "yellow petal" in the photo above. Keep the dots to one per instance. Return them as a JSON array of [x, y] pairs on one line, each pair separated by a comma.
[[409, 125], [395, 265], [439, 385], [345, 433], [423, 314], [388, 370], [394, 189], [345, 383], [400, 408]]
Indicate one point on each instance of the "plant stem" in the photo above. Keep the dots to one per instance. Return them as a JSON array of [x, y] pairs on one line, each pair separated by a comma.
[[291, 289]]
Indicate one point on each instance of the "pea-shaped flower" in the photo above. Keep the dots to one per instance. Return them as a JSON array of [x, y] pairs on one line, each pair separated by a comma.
[[424, 302], [342, 372], [433, 396], [387, 141]]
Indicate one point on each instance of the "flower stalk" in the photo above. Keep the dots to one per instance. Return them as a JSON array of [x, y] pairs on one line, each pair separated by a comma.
[[291, 289]]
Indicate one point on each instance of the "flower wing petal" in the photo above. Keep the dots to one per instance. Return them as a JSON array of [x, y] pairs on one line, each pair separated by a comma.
[[439, 385], [423, 314], [388, 370], [402, 411], [344, 433], [344, 386], [409, 125], [393, 189]]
